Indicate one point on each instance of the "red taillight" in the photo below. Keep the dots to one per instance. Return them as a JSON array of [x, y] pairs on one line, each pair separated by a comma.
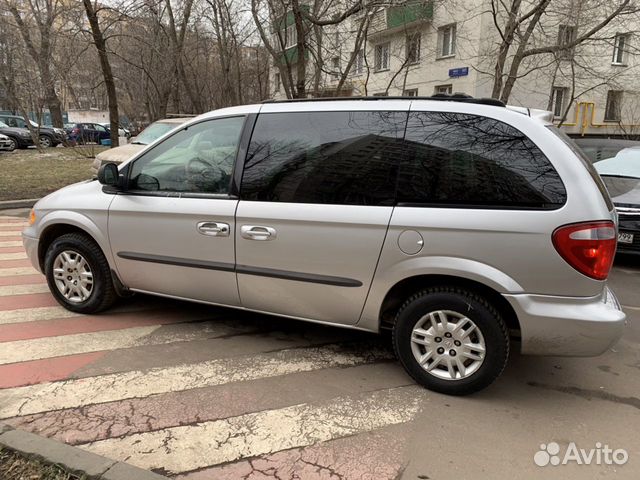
[[75, 130], [588, 247]]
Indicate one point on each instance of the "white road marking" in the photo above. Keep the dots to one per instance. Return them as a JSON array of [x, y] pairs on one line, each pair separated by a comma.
[[50, 347], [13, 224], [13, 256], [34, 314], [11, 233], [15, 271], [11, 243], [630, 308], [46, 397], [24, 289], [186, 448]]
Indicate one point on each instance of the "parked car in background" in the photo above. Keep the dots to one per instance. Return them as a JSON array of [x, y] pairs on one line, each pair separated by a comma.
[[387, 214], [617, 161], [147, 136], [6, 143], [621, 175], [83, 133], [49, 136], [19, 137], [122, 132]]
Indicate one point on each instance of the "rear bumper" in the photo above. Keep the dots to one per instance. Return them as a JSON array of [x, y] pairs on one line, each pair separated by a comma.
[[567, 326]]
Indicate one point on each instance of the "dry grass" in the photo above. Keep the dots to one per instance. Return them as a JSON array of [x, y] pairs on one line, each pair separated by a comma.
[[16, 467], [31, 174]]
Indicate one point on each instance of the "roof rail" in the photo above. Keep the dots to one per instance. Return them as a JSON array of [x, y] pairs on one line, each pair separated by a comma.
[[456, 97]]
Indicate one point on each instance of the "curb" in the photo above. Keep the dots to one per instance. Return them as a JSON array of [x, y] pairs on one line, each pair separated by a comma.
[[25, 203], [73, 459]]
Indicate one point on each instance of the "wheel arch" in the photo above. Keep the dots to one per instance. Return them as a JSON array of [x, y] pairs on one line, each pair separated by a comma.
[[406, 287], [60, 223]]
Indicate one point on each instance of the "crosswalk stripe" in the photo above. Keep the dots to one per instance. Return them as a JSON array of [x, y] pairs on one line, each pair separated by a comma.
[[10, 233], [7, 290], [187, 448], [10, 243], [52, 396], [10, 272], [113, 339], [13, 256], [50, 347], [34, 314]]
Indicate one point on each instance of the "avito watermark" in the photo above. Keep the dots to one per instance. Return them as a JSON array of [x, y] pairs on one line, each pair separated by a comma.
[[550, 454]]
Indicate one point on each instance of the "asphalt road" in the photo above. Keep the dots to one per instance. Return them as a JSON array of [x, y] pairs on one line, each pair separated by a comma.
[[197, 392]]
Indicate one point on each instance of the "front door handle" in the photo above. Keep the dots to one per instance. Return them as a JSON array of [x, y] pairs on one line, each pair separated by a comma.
[[214, 229], [257, 232]]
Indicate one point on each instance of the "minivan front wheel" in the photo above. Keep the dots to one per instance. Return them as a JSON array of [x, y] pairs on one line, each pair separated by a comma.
[[451, 340], [78, 274]]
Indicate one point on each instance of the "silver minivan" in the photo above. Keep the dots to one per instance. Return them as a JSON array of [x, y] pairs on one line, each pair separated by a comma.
[[463, 226]]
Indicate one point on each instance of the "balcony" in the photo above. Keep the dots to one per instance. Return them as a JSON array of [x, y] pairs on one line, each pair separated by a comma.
[[401, 18]]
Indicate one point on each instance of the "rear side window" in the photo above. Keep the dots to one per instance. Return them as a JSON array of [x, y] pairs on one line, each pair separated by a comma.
[[467, 160], [347, 158]]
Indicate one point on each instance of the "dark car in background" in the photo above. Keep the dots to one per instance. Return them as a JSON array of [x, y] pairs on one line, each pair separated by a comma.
[[82, 133], [49, 136], [18, 137], [621, 175]]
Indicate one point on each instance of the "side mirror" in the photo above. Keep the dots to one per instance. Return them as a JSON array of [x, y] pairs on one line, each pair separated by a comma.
[[108, 174]]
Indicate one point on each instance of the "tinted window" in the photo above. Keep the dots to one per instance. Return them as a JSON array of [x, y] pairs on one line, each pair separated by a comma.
[[197, 159], [458, 159], [324, 157]]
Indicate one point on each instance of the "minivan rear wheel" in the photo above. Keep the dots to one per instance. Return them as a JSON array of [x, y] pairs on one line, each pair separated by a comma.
[[78, 274], [451, 340]]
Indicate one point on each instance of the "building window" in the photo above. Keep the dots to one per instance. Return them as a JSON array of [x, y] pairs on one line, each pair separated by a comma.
[[559, 100], [276, 81], [335, 68], [613, 110], [443, 89], [336, 38], [413, 48], [358, 63], [620, 46], [447, 41], [567, 34], [291, 37], [410, 92], [381, 57]]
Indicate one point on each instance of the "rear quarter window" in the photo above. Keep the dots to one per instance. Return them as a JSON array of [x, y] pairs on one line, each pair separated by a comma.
[[466, 160]]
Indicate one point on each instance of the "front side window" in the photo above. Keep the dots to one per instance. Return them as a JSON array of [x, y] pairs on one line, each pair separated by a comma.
[[381, 57], [343, 158], [197, 159], [466, 160]]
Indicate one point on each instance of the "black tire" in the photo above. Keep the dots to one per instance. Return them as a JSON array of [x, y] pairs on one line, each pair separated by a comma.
[[102, 294], [467, 304], [45, 141], [13, 145]]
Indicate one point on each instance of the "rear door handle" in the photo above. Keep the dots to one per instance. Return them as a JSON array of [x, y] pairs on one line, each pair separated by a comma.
[[214, 229], [257, 232]]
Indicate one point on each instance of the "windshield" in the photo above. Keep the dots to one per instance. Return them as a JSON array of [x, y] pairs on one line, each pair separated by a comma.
[[3, 125], [153, 132], [33, 124]]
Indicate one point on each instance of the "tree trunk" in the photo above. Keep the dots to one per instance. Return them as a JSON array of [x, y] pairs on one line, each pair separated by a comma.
[[109, 82], [301, 63]]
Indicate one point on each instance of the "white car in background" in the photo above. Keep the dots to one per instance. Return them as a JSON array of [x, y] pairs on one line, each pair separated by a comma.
[[148, 135]]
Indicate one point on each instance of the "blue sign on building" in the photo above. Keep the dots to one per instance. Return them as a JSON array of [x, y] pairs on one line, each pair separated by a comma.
[[459, 72]]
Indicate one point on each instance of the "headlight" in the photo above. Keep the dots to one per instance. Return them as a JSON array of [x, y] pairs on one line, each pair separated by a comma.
[[59, 131]]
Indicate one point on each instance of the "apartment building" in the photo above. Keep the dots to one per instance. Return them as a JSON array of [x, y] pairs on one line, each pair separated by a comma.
[[421, 48]]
